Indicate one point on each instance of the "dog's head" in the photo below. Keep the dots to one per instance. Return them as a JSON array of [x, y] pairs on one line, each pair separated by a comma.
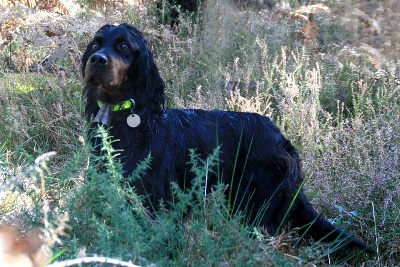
[[118, 66]]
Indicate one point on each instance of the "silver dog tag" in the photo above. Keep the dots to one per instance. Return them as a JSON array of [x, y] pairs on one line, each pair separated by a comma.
[[133, 120]]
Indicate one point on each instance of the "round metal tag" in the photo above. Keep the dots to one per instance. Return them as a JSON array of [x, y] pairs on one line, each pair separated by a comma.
[[133, 120]]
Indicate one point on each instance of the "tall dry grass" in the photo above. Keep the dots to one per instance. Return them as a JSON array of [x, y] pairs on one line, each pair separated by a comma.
[[336, 100]]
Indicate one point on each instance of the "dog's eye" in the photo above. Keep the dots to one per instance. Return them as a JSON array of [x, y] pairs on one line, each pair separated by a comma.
[[95, 46], [124, 46]]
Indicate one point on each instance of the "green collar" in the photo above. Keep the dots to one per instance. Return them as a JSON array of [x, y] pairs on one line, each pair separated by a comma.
[[123, 105]]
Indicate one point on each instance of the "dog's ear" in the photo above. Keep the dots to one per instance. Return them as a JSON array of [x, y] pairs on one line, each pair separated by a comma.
[[157, 84], [85, 58], [146, 72], [152, 82]]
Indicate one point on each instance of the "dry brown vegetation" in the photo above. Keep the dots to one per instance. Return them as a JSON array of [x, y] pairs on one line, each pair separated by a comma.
[[327, 73]]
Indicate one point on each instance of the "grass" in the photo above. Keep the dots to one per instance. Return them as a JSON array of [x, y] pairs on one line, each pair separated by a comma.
[[342, 114]]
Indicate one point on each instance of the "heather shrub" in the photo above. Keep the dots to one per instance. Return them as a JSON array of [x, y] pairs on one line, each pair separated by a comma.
[[197, 224], [337, 101]]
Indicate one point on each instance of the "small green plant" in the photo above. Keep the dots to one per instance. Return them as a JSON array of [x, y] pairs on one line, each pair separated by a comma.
[[197, 226]]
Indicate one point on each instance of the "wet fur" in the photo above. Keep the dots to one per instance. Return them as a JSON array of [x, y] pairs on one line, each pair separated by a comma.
[[265, 165]]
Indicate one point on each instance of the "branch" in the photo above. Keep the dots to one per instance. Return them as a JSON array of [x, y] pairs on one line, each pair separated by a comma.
[[92, 260]]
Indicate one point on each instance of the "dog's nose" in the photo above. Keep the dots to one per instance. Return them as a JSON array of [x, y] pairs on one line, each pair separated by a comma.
[[98, 59]]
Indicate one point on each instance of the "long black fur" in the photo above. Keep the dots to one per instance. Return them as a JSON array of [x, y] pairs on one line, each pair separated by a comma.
[[265, 165]]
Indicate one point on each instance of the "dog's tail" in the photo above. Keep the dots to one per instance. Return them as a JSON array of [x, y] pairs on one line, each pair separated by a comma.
[[305, 217]]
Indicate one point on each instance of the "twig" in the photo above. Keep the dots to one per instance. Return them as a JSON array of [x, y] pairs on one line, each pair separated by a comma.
[[376, 234], [92, 260]]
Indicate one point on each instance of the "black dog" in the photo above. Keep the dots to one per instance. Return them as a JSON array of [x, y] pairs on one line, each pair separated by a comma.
[[124, 90]]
